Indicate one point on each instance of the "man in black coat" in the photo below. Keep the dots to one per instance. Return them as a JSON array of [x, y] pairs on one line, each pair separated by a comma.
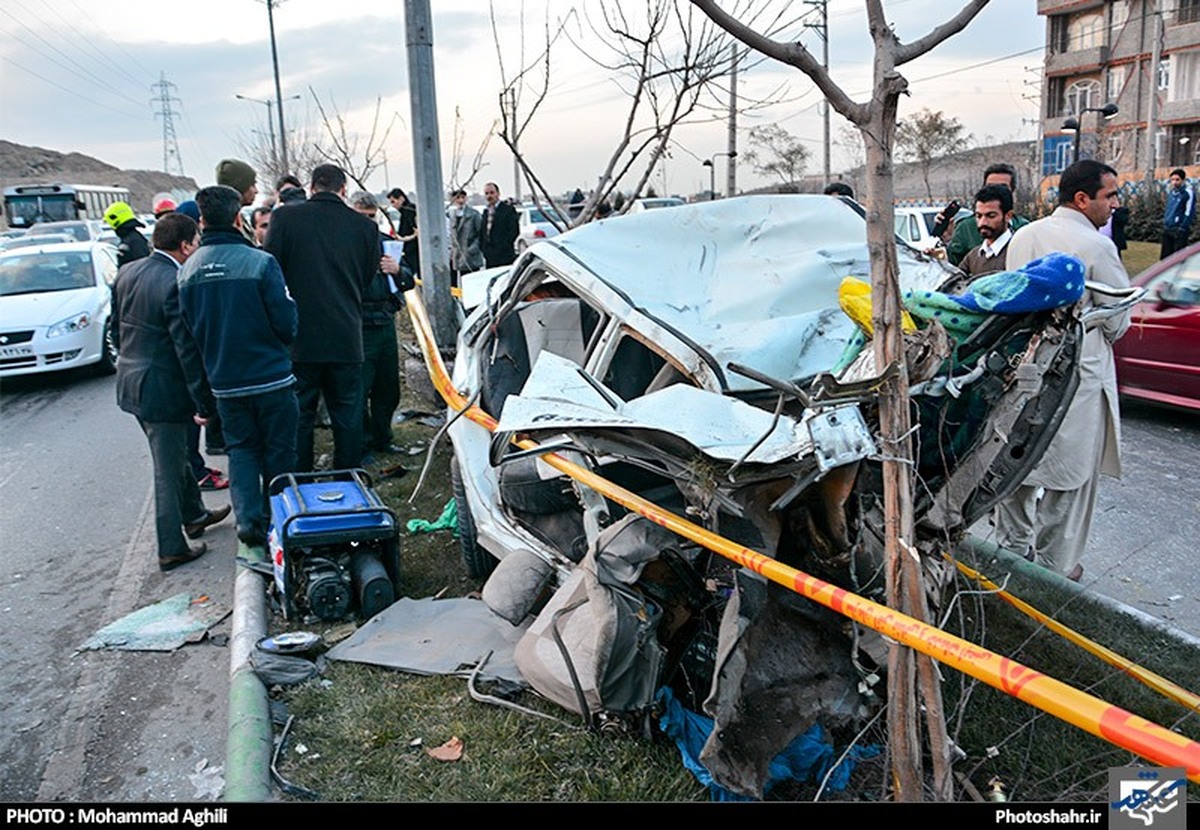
[[329, 254], [160, 380], [500, 228]]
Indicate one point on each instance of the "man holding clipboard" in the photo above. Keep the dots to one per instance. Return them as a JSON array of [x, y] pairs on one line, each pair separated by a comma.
[[381, 361]]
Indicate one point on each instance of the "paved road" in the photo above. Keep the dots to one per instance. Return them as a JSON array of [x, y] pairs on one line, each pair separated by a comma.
[[76, 542], [1146, 533]]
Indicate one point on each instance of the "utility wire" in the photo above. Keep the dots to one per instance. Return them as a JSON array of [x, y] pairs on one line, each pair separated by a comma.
[[69, 91], [82, 74]]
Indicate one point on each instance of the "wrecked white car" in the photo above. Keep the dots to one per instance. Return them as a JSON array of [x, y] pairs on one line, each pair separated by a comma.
[[686, 355]]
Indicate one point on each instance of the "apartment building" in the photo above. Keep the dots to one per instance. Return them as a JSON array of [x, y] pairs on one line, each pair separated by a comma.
[[1143, 56]]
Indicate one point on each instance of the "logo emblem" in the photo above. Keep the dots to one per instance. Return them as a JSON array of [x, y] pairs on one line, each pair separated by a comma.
[[1142, 798], [3, 339]]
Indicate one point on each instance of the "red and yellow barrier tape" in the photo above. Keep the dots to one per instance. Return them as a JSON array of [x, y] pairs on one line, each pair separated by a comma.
[[1104, 720]]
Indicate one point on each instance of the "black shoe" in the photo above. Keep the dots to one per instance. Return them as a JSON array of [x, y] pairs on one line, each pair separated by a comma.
[[170, 563], [194, 530]]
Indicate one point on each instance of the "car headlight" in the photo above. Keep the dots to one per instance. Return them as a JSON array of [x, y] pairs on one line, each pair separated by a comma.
[[74, 323]]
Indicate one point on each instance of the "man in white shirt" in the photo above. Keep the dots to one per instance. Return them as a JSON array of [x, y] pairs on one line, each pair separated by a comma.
[[1050, 514], [993, 215]]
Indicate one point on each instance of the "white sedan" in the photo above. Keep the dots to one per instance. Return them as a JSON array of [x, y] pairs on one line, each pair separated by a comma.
[[56, 307], [535, 225]]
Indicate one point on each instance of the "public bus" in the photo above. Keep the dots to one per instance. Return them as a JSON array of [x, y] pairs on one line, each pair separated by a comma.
[[27, 204]]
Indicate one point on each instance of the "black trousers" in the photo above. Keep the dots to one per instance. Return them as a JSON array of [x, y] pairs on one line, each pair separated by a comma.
[[1172, 241], [340, 384], [380, 384]]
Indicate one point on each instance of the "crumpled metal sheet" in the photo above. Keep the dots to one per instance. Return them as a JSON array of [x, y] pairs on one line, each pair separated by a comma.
[[556, 397], [164, 626], [751, 279], [427, 636]]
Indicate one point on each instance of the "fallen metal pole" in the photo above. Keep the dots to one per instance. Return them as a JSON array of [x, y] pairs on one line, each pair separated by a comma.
[[1091, 714]]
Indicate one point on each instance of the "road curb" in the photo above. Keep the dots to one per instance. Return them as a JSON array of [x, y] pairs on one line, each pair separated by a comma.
[[987, 552], [250, 739]]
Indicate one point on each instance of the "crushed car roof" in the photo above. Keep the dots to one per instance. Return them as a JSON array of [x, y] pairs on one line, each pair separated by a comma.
[[752, 279]]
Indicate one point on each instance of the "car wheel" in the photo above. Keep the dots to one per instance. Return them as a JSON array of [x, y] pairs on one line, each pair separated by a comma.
[[107, 364], [479, 562]]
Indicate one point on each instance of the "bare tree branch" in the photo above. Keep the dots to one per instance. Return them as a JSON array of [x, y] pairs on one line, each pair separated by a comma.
[[953, 26], [345, 151]]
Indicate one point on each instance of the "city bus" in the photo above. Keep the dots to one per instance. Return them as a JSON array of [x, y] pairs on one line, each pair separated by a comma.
[[27, 204]]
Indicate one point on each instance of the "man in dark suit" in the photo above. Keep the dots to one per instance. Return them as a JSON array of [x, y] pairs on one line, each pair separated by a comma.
[[158, 357], [500, 228], [329, 254]]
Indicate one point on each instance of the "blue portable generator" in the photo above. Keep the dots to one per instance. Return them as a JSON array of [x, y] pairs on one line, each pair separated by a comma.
[[335, 545]]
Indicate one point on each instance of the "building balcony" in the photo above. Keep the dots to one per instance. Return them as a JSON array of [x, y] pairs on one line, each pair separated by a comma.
[[1180, 36], [1064, 6], [1064, 63], [1176, 111]]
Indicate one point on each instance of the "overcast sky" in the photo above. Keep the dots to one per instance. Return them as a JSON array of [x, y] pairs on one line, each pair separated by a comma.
[[77, 76]]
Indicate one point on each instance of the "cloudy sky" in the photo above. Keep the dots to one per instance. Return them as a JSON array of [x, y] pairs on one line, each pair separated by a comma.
[[78, 76]]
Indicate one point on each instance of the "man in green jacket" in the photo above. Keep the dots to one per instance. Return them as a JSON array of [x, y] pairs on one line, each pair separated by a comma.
[[966, 233]]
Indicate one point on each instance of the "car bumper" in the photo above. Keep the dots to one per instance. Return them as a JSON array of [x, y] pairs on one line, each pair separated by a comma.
[[42, 354]]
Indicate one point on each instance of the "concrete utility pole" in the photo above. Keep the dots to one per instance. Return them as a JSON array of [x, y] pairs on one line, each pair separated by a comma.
[[731, 144], [822, 29], [431, 218], [283, 159], [1152, 105]]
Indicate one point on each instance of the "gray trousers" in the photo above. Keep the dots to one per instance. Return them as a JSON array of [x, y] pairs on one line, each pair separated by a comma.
[[1048, 526], [177, 499]]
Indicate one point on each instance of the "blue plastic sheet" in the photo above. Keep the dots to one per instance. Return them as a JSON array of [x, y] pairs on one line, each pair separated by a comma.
[[807, 758]]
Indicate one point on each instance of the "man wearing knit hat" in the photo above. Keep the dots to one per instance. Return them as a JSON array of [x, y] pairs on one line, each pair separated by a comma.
[[242, 178]]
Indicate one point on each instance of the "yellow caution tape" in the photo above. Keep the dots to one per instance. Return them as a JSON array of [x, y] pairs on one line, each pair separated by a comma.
[[1160, 684], [1091, 714]]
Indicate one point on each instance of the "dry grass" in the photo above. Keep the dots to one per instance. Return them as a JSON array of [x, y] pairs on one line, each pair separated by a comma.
[[366, 729]]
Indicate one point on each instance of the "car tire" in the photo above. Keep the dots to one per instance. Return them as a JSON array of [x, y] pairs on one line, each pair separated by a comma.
[[107, 364], [479, 562]]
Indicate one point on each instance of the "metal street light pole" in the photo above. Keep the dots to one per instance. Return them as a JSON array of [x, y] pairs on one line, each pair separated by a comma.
[[710, 163], [270, 129], [1076, 124]]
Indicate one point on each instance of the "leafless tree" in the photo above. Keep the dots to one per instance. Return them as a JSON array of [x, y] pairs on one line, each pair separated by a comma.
[[347, 148], [670, 65], [776, 152], [303, 150], [928, 136], [876, 121], [459, 179]]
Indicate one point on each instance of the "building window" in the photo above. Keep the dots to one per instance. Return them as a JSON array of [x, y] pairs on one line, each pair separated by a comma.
[[1055, 87], [1116, 146], [1164, 75], [1081, 95], [1185, 76], [1188, 12], [1058, 34], [1116, 81], [1086, 31], [1184, 144], [1119, 12]]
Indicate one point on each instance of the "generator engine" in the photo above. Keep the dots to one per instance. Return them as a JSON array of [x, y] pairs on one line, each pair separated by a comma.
[[334, 546]]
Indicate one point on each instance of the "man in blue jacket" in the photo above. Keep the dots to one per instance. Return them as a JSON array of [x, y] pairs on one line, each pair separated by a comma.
[[234, 301], [1179, 215]]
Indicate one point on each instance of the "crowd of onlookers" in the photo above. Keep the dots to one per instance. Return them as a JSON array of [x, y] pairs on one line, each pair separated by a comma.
[[250, 323]]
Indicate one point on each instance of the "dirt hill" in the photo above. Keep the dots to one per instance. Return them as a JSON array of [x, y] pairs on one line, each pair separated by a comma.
[[20, 164]]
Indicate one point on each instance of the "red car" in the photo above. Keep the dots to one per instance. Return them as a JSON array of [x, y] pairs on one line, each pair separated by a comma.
[[1158, 359]]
